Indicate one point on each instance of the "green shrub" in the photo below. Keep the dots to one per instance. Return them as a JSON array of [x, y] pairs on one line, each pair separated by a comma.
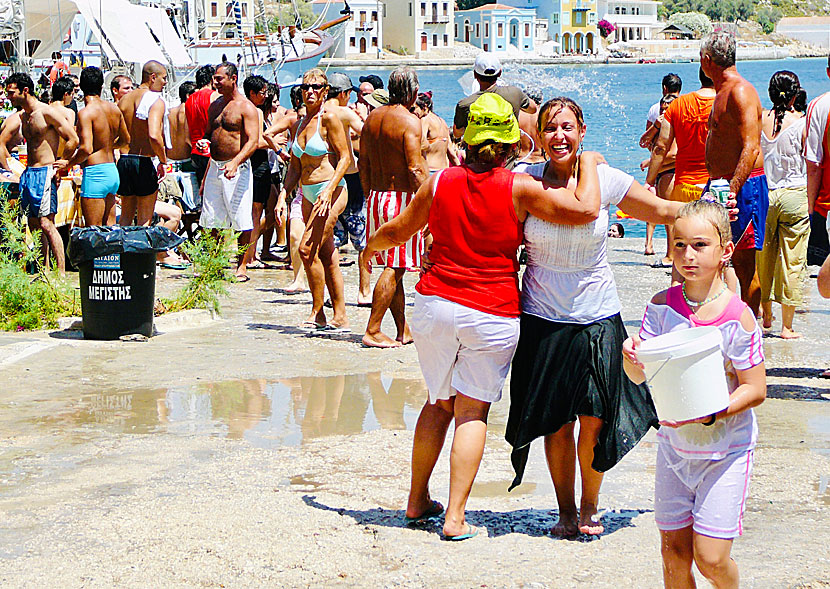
[[28, 301], [209, 257]]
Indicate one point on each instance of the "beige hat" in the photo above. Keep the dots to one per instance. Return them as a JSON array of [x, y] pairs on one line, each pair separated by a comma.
[[379, 97]]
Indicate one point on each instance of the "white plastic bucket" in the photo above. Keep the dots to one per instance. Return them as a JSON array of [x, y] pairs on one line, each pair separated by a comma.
[[685, 372]]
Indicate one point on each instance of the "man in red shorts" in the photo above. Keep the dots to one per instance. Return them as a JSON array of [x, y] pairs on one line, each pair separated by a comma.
[[392, 168], [733, 152]]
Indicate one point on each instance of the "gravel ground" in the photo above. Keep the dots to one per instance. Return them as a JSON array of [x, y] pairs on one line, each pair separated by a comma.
[[111, 475]]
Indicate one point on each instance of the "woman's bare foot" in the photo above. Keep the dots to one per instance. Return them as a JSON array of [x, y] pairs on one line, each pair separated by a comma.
[[364, 301], [406, 337], [380, 340], [787, 333], [295, 288], [567, 526], [589, 520]]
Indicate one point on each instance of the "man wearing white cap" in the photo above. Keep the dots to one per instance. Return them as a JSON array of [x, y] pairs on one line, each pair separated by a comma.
[[487, 70]]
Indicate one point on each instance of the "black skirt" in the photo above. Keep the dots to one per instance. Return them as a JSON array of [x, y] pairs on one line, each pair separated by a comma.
[[563, 370]]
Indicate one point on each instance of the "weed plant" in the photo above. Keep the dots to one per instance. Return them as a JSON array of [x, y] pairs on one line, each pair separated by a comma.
[[28, 301], [209, 257]]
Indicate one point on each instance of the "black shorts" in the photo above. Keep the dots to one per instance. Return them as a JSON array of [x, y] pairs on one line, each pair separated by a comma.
[[138, 175], [262, 189], [200, 165]]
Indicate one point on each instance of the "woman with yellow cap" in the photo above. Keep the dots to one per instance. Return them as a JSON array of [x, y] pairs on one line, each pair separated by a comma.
[[568, 363], [466, 318]]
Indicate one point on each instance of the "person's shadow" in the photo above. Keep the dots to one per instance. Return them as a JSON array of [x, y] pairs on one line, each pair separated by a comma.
[[530, 522]]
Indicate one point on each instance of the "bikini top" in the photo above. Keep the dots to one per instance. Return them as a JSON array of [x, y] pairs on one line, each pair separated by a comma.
[[315, 147]]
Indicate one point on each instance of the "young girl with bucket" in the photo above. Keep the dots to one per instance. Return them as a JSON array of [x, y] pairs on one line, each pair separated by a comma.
[[703, 464]]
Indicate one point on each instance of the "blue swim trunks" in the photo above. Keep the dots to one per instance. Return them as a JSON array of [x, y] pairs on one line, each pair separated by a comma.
[[39, 192], [100, 180], [753, 202]]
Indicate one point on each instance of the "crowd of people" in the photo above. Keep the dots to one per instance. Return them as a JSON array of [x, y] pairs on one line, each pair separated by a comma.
[[458, 202]]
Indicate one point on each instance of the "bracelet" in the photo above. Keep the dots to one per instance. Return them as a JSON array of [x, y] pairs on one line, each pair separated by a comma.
[[711, 420]]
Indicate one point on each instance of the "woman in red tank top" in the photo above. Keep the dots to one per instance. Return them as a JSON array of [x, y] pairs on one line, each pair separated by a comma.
[[465, 322]]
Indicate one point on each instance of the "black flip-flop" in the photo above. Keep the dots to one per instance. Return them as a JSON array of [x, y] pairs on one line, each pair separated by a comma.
[[434, 510]]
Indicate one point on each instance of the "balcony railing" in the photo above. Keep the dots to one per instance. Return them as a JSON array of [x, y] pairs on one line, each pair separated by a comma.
[[364, 26], [436, 19]]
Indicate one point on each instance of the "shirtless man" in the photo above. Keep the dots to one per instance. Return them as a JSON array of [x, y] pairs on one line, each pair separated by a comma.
[[733, 152], [392, 168], [531, 147], [42, 126], [145, 111], [361, 107], [233, 131], [180, 145], [120, 86], [101, 130], [62, 94], [436, 146], [353, 217]]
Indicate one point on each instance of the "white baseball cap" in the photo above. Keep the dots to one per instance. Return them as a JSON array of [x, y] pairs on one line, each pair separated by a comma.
[[487, 65]]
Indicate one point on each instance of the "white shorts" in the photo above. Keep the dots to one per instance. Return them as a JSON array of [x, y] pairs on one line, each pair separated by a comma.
[[295, 210], [709, 495], [462, 349], [227, 202]]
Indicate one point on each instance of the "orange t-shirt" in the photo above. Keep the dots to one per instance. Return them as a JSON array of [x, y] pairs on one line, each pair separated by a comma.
[[689, 117], [59, 69]]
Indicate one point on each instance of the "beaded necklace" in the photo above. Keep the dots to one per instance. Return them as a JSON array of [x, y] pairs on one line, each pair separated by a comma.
[[692, 303]]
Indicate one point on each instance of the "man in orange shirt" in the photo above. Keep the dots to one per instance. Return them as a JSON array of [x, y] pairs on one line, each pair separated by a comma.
[[686, 122], [58, 69]]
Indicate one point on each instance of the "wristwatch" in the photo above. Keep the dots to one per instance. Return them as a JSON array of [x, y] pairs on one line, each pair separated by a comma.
[[711, 420]]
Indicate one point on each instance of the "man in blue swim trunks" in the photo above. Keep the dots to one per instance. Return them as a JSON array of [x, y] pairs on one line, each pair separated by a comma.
[[733, 152], [101, 130], [43, 127]]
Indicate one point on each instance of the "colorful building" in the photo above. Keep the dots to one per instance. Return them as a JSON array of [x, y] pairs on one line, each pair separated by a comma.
[[419, 28], [363, 34], [497, 27], [571, 23]]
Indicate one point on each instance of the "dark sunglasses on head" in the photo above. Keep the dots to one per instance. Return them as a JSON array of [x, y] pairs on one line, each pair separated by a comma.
[[307, 87]]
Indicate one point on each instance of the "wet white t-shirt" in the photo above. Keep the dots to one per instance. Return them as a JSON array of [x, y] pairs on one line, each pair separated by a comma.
[[568, 278]]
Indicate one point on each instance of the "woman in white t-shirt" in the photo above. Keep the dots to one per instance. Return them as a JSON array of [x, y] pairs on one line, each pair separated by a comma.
[[783, 261], [568, 364]]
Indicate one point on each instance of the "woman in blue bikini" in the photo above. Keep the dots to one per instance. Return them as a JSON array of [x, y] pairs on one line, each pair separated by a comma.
[[320, 156]]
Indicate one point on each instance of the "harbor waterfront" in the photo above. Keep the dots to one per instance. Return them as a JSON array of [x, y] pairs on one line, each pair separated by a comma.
[[614, 98], [188, 461]]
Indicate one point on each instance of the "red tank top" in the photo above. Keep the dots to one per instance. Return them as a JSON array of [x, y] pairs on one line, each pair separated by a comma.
[[822, 205], [196, 112], [476, 234]]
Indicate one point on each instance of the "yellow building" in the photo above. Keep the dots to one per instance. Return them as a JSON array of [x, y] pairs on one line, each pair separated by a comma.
[[578, 26]]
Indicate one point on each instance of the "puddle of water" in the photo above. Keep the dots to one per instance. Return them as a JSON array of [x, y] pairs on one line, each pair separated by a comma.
[[265, 413]]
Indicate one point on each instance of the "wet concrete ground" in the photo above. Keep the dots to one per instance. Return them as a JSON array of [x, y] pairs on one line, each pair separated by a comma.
[[245, 452]]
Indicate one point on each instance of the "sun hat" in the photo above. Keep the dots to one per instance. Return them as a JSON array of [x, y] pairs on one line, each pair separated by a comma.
[[491, 118], [379, 97], [340, 82], [487, 65]]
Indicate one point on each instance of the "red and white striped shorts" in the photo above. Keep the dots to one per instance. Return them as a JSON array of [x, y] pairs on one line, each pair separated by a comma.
[[384, 206]]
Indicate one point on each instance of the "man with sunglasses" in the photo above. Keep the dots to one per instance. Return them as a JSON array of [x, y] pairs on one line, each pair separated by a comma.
[[232, 132]]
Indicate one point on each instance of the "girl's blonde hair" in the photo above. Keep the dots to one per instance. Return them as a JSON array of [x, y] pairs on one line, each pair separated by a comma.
[[712, 212], [491, 153]]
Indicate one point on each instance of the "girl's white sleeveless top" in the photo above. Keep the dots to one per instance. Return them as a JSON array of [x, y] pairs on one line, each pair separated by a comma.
[[784, 164]]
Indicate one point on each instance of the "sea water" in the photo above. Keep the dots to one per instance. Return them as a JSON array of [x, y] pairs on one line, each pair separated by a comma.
[[615, 98]]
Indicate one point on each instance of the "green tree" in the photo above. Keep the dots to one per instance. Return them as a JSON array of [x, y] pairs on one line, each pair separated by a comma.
[[768, 17]]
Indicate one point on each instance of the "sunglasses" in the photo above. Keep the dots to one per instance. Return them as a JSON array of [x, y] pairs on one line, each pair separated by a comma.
[[307, 87]]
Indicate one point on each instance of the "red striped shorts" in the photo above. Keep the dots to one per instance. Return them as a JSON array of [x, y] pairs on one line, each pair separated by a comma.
[[384, 206]]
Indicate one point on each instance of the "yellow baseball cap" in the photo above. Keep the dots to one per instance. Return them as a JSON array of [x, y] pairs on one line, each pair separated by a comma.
[[491, 118]]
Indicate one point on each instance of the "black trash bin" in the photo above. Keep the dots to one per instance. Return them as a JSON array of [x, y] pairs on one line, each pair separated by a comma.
[[117, 270]]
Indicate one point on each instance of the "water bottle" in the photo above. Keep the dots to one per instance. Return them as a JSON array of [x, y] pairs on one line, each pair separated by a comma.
[[719, 189]]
